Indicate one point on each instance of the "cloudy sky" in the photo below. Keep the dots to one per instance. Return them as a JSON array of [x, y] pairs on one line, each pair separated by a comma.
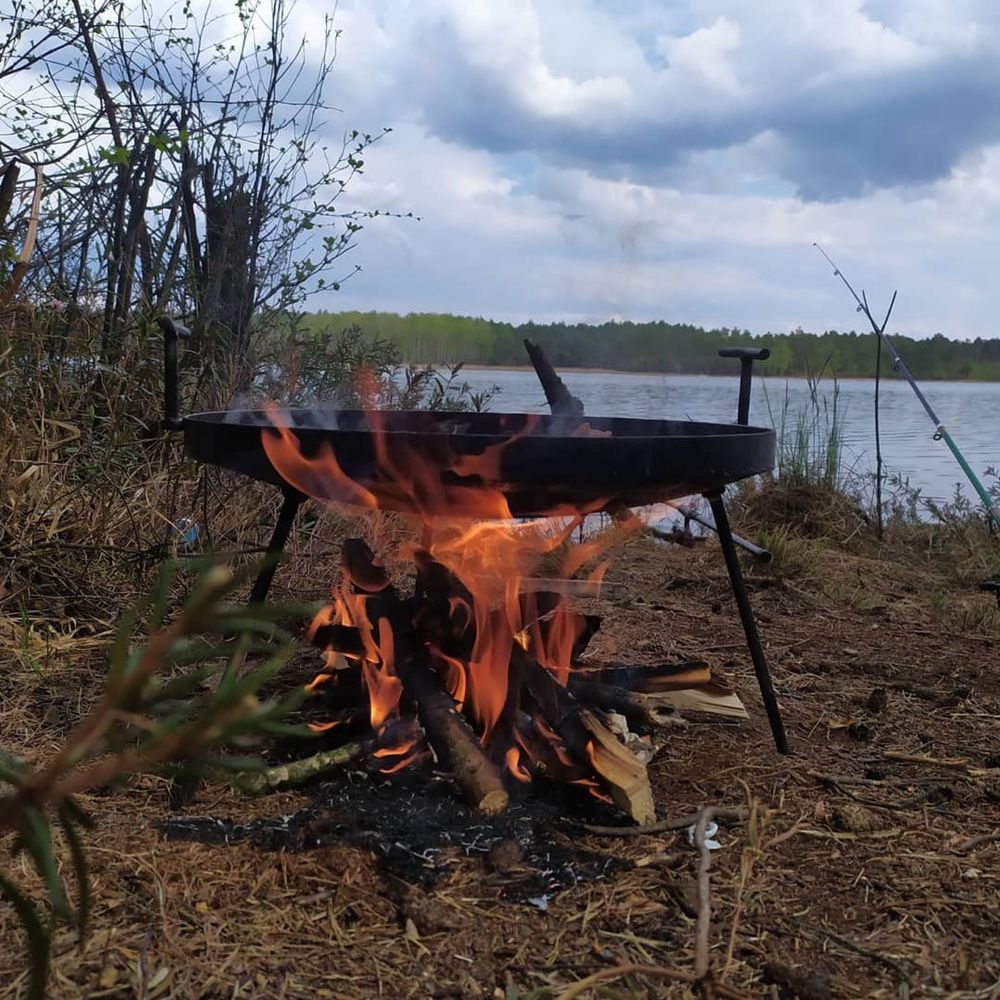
[[676, 159]]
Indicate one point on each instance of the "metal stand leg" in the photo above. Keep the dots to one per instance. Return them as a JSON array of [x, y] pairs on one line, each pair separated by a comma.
[[286, 518], [749, 624]]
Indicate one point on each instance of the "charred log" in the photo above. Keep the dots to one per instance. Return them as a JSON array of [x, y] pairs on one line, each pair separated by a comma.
[[654, 677], [589, 741], [450, 736], [561, 401], [609, 698], [453, 741], [344, 639]]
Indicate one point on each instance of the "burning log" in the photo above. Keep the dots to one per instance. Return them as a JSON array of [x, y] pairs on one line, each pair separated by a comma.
[[450, 736], [344, 639], [654, 677], [588, 740], [610, 698]]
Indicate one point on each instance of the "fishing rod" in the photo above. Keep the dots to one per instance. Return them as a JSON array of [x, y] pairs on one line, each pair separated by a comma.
[[940, 432]]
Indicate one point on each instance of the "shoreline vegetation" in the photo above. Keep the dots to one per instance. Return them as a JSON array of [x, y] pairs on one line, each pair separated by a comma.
[[761, 373], [657, 348]]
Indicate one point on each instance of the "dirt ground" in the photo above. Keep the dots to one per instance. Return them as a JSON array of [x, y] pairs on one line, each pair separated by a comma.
[[858, 874]]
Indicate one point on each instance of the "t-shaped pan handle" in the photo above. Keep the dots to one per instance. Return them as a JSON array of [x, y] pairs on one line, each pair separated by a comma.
[[172, 332], [747, 356]]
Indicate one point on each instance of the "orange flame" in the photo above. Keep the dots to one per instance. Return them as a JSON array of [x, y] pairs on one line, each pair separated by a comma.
[[512, 758], [323, 727], [484, 549]]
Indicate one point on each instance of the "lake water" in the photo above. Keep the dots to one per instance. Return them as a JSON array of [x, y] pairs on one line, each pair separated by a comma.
[[970, 411]]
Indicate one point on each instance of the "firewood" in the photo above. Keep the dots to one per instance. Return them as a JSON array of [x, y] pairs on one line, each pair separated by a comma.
[[683, 687], [561, 401], [655, 677], [453, 741], [589, 741], [620, 771], [610, 698], [362, 568], [344, 639], [700, 699], [450, 736]]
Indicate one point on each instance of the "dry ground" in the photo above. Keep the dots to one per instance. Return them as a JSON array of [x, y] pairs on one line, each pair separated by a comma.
[[875, 889]]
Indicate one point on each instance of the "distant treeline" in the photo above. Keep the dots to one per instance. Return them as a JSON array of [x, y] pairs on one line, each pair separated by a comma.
[[433, 338]]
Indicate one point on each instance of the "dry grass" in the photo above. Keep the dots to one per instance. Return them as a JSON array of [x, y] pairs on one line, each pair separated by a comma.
[[852, 867]]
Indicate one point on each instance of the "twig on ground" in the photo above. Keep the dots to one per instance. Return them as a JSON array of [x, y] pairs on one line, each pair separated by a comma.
[[915, 758], [874, 956], [976, 842], [834, 782], [723, 813], [748, 857], [701, 959], [651, 971], [297, 771]]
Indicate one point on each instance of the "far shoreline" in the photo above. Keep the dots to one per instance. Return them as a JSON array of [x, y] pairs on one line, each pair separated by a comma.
[[758, 372]]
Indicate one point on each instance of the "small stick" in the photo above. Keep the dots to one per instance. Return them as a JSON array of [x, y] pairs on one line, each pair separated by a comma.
[[701, 964], [653, 972], [915, 758], [974, 842], [874, 956], [296, 772], [723, 813], [832, 781]]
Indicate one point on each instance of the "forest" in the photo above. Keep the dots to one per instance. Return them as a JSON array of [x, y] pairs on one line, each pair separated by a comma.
[[430, 338]]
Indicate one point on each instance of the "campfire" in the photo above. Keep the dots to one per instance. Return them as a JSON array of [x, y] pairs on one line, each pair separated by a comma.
[[473, 660], [460, 652]]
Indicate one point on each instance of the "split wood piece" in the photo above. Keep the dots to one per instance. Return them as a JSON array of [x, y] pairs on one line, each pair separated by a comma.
[[645, 710], [453, 741], [655, 677], [561, 401], [589, 741], [620, 771], [701, 699]]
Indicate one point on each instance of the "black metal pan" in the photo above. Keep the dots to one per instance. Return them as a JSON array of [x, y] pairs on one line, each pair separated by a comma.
[[441, 462]]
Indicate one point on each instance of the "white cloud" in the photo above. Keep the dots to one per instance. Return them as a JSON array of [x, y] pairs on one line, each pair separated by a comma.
[[645, 160], [705, 55]]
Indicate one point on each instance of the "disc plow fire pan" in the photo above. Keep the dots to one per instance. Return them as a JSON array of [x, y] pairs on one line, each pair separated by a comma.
[[541, 465], [539, 468]]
